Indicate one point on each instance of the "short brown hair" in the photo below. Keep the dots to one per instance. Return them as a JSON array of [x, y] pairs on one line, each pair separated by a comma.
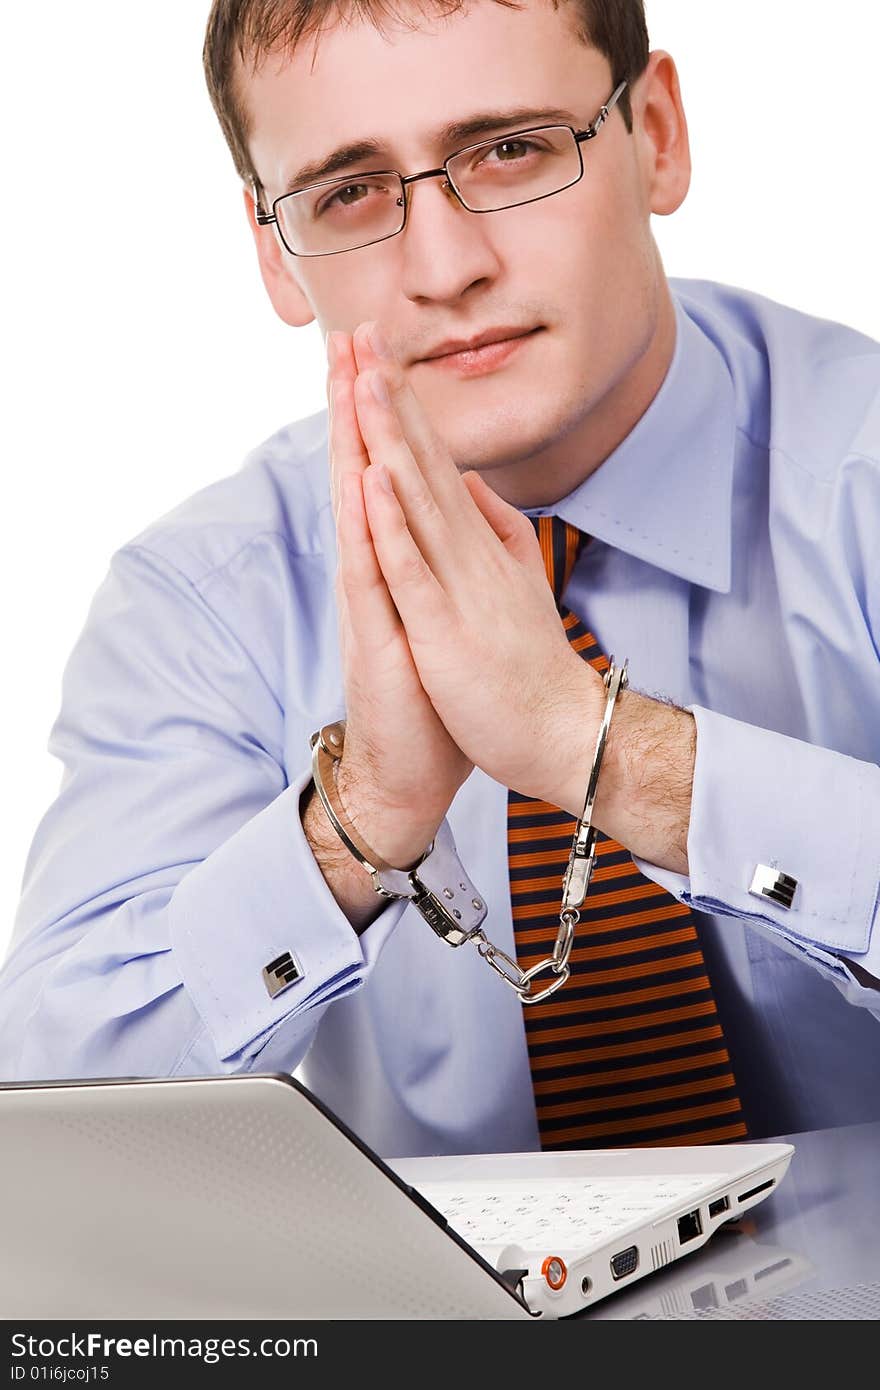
[[255, 28]]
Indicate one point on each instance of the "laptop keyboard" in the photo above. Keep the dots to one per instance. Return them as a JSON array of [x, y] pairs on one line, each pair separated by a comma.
[[543, 1212]]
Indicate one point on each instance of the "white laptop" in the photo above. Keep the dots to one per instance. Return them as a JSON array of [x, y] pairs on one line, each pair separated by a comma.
[[244, 1197]]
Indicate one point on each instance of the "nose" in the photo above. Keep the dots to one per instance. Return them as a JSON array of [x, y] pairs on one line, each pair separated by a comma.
[[444, 249]]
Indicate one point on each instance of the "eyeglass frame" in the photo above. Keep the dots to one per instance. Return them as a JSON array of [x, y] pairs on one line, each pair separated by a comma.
[[267, 219]]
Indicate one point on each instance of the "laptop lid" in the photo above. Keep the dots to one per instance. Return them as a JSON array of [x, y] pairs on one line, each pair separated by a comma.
[[216, 1197]]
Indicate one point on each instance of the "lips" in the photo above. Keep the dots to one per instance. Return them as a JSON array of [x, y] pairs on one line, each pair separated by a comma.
[[480, 361], [491, 335]]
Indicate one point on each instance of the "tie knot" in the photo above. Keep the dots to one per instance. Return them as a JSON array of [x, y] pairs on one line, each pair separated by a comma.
[[561, 543]]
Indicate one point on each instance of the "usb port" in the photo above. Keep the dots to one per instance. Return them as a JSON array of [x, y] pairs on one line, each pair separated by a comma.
[[624, 1262], [716, 1208], [689, 1227]]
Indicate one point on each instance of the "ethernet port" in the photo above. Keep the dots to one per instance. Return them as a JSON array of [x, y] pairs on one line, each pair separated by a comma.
[[689, 1227]]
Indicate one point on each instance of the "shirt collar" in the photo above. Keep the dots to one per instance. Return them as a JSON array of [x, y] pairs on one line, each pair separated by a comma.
[[664, 494]]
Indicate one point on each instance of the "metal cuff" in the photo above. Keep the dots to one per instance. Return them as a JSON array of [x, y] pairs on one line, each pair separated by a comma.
[[583, 848], [437, 883]]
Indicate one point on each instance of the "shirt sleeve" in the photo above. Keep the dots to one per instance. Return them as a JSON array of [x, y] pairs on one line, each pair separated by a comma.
[[763, 798], [172, 866]]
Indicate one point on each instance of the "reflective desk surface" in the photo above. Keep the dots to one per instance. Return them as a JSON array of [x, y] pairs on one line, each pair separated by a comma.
[[810, 1251]]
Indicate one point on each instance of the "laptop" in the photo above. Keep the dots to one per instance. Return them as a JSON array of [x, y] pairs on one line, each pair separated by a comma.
[[244, 1197]]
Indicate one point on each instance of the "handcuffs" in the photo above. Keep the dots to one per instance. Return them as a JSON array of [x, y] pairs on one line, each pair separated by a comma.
[[438, 885]]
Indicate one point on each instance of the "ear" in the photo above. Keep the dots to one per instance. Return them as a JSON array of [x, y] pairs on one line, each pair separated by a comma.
[[661, 129], [288, 299]]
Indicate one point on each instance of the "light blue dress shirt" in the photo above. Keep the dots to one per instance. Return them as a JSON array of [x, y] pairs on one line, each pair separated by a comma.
[[734, 562]]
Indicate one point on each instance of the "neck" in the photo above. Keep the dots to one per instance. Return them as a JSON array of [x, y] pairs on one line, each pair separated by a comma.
[[541, 479]]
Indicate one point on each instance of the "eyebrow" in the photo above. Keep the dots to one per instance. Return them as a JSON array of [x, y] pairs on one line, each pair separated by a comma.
[[455, 133]]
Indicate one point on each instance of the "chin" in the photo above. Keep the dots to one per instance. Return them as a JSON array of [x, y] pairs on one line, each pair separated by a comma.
[[500, 434]]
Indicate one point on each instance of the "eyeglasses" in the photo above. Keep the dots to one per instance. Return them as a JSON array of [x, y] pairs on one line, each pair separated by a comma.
[[345, 214]]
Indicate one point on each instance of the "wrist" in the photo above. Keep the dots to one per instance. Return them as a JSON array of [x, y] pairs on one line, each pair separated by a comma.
[[643, 799], [350, 886], [643, 795], [571, 743], [435, 881], [398, 836]]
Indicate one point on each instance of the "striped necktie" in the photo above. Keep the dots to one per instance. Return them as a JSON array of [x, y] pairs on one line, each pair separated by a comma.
[[629, 1051]]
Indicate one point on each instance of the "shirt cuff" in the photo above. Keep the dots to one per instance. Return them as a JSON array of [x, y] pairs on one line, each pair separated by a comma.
[[763, 798], [258, 896]]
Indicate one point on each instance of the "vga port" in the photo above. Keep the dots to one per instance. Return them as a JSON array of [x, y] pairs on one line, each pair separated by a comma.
[[624, 1262]]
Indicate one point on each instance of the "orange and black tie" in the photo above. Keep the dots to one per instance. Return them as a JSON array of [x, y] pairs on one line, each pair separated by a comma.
[[629, 1052]]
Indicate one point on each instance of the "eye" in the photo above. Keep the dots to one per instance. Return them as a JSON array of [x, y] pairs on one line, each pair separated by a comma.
[[346, 196], [515, 153], [514, 148], [353, 196]]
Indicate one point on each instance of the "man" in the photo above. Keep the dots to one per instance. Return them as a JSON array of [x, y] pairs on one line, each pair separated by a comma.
[[693, 468]]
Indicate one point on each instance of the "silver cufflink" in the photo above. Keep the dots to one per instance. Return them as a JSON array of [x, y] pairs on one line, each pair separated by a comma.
[[773, 884], [281, 973]]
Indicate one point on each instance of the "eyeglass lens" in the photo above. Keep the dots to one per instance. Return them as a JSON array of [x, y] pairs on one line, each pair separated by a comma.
[[360, 209]]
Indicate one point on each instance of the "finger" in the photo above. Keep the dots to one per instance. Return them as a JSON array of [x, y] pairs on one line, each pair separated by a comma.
[[344, 363], [333, 351], [512, 527], [381, 432], [347, 451], [417, 595], [373, 620], [429, 451]]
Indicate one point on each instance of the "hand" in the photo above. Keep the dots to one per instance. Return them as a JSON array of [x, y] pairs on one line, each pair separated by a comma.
[[465, 572], [400, 768]]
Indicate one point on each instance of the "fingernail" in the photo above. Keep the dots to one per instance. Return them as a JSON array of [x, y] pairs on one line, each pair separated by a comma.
[[378, 341], [379, 389], [383, 477]]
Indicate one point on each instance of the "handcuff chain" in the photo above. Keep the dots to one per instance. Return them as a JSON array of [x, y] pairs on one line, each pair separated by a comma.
[[520, 980]]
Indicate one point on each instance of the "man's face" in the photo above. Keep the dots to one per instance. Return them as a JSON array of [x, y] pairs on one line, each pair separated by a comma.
[[578, 271]]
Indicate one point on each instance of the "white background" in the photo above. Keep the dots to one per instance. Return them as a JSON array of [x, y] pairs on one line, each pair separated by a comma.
[[141, 356]]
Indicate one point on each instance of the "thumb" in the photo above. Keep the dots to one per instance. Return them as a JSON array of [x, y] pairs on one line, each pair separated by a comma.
[[513, 529]]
